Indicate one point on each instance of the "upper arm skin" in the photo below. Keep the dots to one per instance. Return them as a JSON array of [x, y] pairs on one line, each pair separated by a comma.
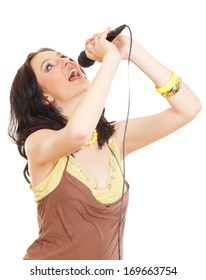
[[146, 130], [45, 145]]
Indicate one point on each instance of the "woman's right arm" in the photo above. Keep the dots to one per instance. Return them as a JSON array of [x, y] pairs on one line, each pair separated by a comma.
[[48, 145]]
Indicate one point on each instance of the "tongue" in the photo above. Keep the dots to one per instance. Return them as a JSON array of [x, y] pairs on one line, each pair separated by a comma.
[[72, 78]]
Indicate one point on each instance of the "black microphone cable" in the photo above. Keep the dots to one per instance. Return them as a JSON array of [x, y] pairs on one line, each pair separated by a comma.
[[84, 61], [124, 141]]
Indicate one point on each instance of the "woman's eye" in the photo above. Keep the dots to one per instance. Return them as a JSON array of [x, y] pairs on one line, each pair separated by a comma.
[[48, 67]]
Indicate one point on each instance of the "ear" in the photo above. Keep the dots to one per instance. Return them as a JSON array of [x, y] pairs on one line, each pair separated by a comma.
[[48, 99]]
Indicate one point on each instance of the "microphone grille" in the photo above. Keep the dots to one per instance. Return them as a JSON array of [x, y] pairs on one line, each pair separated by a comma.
[[84, 61]]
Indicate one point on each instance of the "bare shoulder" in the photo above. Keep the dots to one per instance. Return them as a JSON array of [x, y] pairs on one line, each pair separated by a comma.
[[46, 145], [37, 142], [40, 161], [34, 140]]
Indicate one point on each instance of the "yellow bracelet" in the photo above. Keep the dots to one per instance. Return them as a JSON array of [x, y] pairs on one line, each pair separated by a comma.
[[174, 89], [169, 85]]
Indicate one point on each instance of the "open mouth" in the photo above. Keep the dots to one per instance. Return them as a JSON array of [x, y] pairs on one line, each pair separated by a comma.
[[73, 74]]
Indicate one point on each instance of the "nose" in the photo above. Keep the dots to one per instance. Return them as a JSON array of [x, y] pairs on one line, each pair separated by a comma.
[[65, 61]]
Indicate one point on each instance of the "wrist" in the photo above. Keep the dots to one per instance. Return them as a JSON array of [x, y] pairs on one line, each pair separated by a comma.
[[112, 56]]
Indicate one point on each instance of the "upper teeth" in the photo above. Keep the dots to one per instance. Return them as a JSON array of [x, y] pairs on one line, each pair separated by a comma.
[[72, 72]]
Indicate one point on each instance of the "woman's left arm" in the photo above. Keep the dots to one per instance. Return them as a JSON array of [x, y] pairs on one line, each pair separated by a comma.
[[184, 105]]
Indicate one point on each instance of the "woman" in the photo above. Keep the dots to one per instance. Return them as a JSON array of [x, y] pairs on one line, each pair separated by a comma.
[[74, 155]]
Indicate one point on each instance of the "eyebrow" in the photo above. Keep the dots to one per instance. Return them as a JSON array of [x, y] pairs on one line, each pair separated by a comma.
[[45, 60]]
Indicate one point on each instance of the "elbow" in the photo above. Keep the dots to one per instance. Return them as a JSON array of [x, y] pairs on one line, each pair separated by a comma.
[[196, 109], [79, 133], [199, 108], [193, 111], [81, 136], [189, 104]]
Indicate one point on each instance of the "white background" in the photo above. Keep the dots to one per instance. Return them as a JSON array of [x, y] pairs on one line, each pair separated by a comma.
[[166, 216]]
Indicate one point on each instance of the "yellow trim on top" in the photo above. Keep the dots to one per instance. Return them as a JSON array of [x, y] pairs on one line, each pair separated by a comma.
[[50, 182], [112, 191]]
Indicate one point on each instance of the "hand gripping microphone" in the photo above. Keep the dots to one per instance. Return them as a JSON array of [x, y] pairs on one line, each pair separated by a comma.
[[84, 61]]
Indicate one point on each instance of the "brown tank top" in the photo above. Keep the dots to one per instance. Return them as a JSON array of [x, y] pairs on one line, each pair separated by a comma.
[[74, 225]]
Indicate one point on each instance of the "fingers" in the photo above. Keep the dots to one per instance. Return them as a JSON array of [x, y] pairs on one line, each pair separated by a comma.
[[95, 35], [97, 46], [98, 36]]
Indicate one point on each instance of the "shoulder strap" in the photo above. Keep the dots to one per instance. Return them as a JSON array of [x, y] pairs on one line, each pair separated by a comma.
[[115, 152], [67, 161]]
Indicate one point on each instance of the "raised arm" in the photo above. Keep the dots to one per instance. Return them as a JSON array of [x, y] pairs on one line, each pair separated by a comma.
[[183, 103], [83, 109]]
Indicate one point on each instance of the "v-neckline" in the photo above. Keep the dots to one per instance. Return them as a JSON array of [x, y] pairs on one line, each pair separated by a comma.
[[90, 178]]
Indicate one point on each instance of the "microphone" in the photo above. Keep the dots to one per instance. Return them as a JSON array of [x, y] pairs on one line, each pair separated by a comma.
[[84, 61]]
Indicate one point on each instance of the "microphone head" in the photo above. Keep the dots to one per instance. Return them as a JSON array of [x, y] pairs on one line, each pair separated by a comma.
[[84, 61]]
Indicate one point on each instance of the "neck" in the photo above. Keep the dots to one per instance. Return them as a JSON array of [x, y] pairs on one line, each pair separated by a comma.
[[69, 108]]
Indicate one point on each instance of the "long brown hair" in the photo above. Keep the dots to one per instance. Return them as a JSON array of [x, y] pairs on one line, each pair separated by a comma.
[[29, 112]]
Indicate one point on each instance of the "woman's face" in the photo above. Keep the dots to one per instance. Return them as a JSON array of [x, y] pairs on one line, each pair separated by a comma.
[[60, 78]]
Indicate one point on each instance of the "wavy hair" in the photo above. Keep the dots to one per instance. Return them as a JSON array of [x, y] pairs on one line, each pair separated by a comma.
[[29, 112]]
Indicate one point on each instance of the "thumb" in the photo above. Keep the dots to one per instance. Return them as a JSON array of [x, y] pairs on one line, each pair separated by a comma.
[[105, 33]]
